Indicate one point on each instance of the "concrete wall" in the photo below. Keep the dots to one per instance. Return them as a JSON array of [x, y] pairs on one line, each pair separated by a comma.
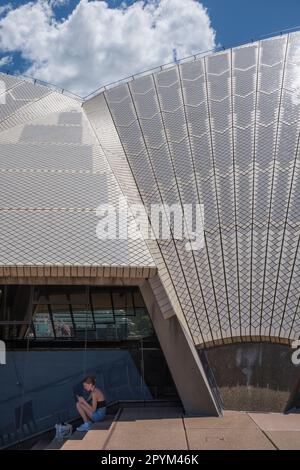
[[182, 358]]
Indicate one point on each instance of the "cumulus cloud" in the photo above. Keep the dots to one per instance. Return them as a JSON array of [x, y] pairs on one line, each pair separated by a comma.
[[56, 3], [97, 44], [5, 8], [5, 60]]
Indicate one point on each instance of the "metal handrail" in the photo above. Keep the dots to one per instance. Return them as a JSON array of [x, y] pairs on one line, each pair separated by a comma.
[[37, 81], [187, 59], [15, 322]]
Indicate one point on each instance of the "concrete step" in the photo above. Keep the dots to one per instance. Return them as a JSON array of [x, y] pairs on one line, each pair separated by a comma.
[[148, 429], [95, 439]]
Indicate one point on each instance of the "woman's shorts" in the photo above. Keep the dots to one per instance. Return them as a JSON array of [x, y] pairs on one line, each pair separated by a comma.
[[99, 414]]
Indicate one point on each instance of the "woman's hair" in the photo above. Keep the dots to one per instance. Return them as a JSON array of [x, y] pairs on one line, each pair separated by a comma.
[[91, 379]]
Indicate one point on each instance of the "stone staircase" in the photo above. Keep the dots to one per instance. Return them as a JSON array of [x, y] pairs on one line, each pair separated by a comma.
[[95, 439], [133, 428], [168, 428]]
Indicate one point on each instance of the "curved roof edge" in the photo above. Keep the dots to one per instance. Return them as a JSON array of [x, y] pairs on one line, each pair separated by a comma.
[[190, 58], [50, 86], [159, 68]]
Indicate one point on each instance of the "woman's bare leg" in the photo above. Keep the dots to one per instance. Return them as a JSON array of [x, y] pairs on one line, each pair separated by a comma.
[[87, 409], [82, 412]]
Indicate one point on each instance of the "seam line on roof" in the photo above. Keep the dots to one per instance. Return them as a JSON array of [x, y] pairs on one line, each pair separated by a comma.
[[30, 103]]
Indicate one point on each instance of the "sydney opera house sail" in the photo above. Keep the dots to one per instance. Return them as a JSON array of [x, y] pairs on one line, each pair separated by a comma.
[[220, 132]]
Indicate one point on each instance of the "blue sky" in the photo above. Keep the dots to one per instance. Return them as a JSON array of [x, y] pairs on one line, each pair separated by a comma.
[[234, 20], [237, 21], [98, 44]]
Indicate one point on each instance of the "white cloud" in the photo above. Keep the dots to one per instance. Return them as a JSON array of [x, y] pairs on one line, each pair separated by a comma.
[[96, 44], [5, 60], [5, 8], [56, 3]]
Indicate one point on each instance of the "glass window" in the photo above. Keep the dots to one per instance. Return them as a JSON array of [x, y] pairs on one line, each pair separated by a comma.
[[103, 317], [29, 333], [126, 328], [123, 303], [42, 322], [83, 318], [101, 300], [55, 299], [62, 321], [139, 326], [39, 293], [102, 308], [57, 294], [79, 298], [107, 332], [42, 299], [107, 313], [143, 323]]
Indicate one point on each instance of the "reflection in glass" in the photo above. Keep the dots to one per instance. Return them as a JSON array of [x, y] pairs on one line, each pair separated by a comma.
[[83, 318], [143, 323], [62, 321], [37, 392], [123, 303], [58, 299], [42, 322], [92, 313], [102, 308], [79, 298]]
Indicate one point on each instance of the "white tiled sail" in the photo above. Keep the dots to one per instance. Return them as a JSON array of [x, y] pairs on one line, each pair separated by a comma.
[[223, 131], [53, 176]]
